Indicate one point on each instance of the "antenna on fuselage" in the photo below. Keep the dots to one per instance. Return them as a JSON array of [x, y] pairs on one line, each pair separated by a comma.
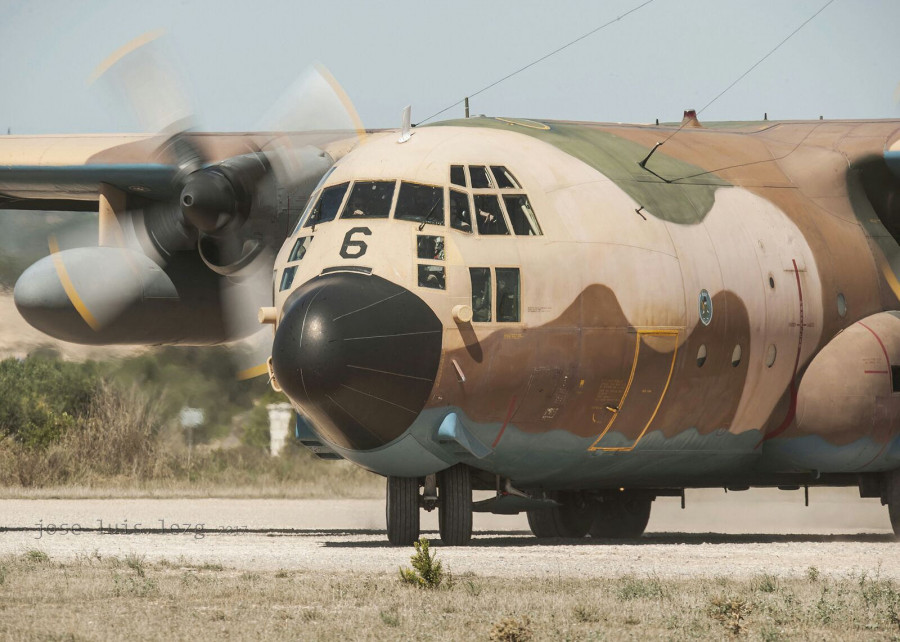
[[405, 126]]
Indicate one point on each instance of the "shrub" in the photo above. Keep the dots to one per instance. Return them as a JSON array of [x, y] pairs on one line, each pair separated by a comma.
[[427, 571], [512, 630]]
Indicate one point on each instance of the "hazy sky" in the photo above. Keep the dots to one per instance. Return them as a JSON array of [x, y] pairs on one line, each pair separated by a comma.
[[239, 55]]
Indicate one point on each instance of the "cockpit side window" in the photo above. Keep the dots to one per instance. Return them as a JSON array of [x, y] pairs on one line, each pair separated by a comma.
[[369, 199], [504, 179], [326, 208], [508, 295], [481, 294], [489, 216], [460, 211], [457, 175], [300, 248], [420, 203], [521, 216], [479, 176]]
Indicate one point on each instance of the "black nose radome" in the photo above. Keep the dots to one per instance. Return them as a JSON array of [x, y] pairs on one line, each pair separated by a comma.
[[359, 355]]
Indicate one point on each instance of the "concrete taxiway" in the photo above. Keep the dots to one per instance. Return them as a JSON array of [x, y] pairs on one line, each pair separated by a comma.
[[738, 534]]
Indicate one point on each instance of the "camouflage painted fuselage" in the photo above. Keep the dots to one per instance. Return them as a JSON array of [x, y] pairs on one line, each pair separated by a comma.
[[723, 316]]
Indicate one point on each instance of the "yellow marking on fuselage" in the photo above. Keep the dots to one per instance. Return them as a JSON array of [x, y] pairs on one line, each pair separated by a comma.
[[888, 272], [255, 371], [69, 287], [640, 333], [123, 51]]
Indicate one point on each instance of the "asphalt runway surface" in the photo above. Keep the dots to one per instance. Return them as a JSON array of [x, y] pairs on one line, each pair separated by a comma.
[[718, 534]]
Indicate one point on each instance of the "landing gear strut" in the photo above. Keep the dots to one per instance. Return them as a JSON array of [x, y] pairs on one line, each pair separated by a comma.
[[621, 516], [455, 505], [402, 509]]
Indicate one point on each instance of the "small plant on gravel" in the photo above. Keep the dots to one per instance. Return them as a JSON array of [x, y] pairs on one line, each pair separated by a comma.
[[36, 556], [633, 588], [731, 612], [766, 583], [136, 563], [510, 629], [812, 574], [427, 571], [586, 613], [390, 618]]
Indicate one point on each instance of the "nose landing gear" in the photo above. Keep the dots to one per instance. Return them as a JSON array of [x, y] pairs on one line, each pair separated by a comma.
[[454, 504]]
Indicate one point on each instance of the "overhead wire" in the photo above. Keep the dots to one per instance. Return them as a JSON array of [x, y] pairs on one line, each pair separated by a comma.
[[737, 80], [539, 60]]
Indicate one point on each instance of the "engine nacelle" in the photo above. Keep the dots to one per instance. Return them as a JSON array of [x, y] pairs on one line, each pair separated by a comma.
[[851, 392], [103, 295]]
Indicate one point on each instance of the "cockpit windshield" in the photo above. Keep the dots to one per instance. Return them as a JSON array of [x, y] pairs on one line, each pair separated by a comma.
[[483, 198], [420, 203], [369, 199], [326, 208]]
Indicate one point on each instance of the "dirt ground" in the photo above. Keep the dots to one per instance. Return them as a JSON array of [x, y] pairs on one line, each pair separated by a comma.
[[718, 534]]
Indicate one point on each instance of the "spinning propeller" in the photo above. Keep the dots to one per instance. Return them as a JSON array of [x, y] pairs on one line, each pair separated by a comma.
[[217, 202]]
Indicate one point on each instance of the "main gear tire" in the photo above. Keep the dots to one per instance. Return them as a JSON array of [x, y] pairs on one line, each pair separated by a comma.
[[402, 510], [621, 517], [455, 505]]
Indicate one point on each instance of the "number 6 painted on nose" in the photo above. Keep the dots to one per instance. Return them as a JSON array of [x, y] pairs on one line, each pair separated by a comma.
[[359, 246]]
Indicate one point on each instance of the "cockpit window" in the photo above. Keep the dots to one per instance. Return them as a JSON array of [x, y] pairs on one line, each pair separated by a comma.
[[326, 208], [504, 179], [479, 176], [457, 175], [524, 222], [369, 199], [420, 203], [487, 213], [460, 211], [299, 250], [481, 294], [508, 295]]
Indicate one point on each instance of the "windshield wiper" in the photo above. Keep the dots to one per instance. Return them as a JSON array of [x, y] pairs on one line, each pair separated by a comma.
[[440, 199]]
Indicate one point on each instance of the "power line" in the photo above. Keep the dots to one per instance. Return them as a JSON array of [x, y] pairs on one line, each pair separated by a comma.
[[541, 59], [643, 163]]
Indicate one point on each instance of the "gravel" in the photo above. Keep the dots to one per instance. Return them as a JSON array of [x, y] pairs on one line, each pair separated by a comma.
[[736, 534]]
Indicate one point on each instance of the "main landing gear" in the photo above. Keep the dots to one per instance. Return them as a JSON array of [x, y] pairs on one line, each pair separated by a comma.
[[453, 501], [622, 515], [891, 497]]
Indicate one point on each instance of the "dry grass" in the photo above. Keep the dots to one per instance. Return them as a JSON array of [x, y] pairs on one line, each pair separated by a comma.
[[110, 598], [124, 449]]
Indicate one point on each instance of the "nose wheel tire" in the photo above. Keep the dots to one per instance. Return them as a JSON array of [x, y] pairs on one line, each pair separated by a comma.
[[455, 507], [402, 510], [621, 517], [569, 520]]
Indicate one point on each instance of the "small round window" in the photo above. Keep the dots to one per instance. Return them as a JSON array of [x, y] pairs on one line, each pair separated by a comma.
[[841, 305], [771, 353], [701, 356], [736, 356]]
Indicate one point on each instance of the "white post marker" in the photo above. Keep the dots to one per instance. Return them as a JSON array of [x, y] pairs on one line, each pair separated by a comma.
[[279, 425]]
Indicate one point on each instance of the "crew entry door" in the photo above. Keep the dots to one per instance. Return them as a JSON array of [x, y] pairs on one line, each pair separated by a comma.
[[651, 371]]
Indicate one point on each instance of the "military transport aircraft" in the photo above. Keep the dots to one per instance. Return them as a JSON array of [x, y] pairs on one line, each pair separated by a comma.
[[564, 313]]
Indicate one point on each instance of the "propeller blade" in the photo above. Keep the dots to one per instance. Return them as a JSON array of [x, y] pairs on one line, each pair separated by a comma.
[[243, 294], [315, 102], [145, 82]]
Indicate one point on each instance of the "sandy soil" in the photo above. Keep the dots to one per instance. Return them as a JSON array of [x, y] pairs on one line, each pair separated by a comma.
[[738, 534]]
